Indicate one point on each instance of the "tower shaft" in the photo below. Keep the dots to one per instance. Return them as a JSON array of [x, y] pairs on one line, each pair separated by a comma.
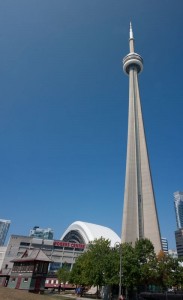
[[140, 218]]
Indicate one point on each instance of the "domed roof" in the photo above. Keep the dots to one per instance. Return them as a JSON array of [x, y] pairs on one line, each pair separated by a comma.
[[89, 232]]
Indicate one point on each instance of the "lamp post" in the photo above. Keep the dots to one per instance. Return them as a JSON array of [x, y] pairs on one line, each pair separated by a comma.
[[120, 266]]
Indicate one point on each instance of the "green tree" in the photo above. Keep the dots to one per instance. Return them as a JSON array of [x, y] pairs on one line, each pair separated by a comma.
[[146, 262], [78, 274], [170, 272], [130, 270], [63, 275], [99, 255], [98, 266]]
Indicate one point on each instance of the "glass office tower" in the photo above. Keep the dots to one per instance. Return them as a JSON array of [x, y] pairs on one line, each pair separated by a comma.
[[178, 203], [41, 233], [4, 227]]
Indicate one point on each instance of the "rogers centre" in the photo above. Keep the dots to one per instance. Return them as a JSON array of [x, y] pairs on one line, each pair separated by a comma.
[[69, 245], [72, 244]]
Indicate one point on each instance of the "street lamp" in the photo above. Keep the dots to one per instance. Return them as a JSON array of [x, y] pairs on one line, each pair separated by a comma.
[[120, 265]]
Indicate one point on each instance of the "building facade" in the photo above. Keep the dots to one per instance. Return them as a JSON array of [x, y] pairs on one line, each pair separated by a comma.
[[2, 255], [164, 242], [41, 233], [179, 242], [4, 227], [58, 251], [178, 204], [29, 271], [65, 251], [140, 219]]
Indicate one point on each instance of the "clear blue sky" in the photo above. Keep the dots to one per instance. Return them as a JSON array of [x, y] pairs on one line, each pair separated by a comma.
[[64, 109]]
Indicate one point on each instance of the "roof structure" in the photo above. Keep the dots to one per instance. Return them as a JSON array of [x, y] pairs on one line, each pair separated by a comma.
[[32, 255], [90, 232]]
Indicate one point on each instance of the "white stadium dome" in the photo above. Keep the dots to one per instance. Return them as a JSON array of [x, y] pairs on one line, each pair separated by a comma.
[[88, 232]]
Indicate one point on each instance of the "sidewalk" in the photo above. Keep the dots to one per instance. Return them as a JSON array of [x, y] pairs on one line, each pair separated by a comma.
[[72, 296]]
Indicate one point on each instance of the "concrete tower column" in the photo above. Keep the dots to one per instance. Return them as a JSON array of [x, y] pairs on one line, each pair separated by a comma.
[[140, 219]]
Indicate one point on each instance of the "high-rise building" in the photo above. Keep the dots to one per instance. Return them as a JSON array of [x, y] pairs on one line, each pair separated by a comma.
[[164, 242], [41, 233], [4, 227], [179, 241], [140, 218], [178, 203]]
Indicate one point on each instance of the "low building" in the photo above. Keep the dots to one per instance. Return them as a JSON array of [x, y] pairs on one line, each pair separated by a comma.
[[4, 276], [4, 272], [29, 271], [58, 251], [72, 244], [2, 255]]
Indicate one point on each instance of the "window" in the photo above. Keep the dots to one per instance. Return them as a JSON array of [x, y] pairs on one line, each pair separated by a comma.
[[24, 244], [40, 267], [13, 280], [36, 268], [45, 267], [26, 279]]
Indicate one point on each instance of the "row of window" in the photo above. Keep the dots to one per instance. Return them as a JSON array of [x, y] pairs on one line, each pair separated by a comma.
[[24, 279], [40, 267], [52, 281]]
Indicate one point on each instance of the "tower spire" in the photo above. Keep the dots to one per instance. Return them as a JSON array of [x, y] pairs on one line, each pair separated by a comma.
[[131, 39], [131, 31]]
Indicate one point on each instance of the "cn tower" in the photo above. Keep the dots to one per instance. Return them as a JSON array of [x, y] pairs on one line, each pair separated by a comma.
[[140, 219]]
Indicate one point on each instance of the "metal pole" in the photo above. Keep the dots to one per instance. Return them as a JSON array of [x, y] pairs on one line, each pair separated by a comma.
[[120, 266], [120, 269]]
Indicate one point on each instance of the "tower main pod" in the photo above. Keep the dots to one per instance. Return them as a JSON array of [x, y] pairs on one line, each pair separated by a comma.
[[140, 218]]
